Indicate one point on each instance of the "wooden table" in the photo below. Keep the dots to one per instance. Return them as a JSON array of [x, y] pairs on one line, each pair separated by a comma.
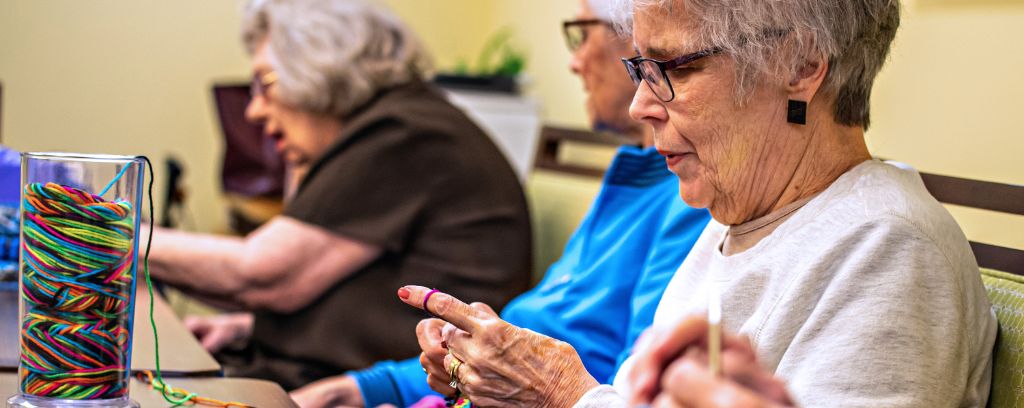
[[258, 393], [185, 363], [180, 353]]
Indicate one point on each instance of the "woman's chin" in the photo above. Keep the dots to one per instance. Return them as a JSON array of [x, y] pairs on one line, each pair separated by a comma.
[[691, 193]]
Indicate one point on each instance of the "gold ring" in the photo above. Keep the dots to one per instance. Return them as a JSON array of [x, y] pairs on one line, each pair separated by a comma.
[[453, 372]]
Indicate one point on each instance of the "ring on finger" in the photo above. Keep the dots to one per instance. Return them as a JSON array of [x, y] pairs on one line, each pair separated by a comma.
[[453, 372]]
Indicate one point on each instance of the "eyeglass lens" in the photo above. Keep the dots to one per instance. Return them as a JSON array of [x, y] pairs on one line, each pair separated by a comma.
[[655, 79], [575, 35]]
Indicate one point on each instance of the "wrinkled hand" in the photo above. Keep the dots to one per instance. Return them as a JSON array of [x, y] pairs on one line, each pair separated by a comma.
[[328, 393], [503, 365], [216, 332], [671, 370], [428, 333]]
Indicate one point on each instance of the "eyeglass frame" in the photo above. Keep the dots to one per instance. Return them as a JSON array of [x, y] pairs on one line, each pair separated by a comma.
[[633, 64], [261, 82], [664, 66], [584, 22]]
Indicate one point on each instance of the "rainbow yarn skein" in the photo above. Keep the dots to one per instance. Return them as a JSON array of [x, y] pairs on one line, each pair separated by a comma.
[[77, 282]]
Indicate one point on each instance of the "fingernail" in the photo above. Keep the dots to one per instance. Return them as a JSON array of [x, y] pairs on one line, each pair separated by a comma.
[[403, 293]]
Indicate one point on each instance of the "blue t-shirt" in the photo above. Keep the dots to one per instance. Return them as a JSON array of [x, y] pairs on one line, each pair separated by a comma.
[[602, 293]]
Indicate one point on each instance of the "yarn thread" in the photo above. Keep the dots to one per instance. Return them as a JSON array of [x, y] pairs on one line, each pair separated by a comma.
[[77, 281], [146, 376], [458, 402], [172, 395]]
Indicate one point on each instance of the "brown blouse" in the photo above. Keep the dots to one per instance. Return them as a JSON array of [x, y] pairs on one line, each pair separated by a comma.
[[413, 175]]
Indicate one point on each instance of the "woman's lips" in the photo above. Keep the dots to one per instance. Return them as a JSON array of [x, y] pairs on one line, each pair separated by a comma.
[[278, 139], [673, 158]]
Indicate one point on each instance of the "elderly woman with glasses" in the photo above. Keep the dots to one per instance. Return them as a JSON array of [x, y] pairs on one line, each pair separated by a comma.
[[396, 185], [848, 281]]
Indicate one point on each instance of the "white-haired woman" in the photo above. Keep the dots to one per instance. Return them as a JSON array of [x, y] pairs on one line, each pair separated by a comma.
[[397, 185], [852, 283]]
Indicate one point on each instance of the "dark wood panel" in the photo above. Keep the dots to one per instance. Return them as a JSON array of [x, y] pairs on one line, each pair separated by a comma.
[[999, 258], [986, 195], [552, 139]]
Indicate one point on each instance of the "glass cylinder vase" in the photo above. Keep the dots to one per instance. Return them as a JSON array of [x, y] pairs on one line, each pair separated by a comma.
[[79, 252]]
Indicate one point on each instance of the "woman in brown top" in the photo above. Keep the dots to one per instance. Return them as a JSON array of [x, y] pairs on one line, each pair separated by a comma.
[[396, 186]]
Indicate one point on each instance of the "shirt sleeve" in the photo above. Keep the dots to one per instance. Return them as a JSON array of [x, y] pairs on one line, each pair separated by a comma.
[[373, 186], [401, 383], [602, 396], [899, 324]]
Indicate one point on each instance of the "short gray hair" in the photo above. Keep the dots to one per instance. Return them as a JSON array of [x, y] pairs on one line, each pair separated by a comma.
[[331, 57], [855, 36], [602, 9], [606, 10]]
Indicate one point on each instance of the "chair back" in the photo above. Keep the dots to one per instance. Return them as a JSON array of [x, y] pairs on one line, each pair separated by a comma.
[[1002, 272], [1006, 292]]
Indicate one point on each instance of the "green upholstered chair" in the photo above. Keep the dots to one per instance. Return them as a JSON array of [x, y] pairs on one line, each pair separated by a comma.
[[1006, 292]]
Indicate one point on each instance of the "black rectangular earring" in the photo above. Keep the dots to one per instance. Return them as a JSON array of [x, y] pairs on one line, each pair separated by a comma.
[[797, 112]]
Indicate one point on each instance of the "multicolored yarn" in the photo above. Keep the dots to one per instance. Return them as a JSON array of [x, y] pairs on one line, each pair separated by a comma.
[[77, 281], [146, 376], [78, 277], [460, 403]]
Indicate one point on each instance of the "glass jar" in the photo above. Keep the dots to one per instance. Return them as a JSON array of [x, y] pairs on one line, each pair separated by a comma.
[[79, 252]]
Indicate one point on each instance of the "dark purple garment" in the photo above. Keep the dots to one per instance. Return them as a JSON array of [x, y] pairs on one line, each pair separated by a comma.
[[413, 175]]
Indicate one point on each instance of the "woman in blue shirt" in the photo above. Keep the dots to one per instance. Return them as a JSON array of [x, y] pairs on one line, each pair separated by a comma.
[[602, 292]]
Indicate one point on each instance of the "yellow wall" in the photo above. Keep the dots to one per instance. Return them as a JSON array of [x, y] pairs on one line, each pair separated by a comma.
[[456, 30], [122, 77], [949, 101], [133, 76], [451, 29]]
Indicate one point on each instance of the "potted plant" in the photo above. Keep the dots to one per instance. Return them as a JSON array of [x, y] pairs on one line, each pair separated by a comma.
[[497, 67]]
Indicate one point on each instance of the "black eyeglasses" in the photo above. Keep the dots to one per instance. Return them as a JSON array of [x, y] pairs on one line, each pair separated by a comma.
[[575, 31], [260, 83], [655, 72]]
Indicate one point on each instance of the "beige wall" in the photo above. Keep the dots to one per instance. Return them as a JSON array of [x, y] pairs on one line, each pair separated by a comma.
[[949, 101], [132, 76], [455, 30], [451, 29], [122, 77]]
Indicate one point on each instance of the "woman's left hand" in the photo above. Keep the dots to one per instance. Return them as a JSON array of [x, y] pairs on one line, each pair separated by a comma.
[[671, 370], [501, 364]]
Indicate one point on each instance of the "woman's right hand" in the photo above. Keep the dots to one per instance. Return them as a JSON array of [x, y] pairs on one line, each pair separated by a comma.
[[498, 364], [218, 331]]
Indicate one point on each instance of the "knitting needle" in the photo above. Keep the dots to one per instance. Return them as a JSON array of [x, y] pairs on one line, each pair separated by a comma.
[[714, 331]]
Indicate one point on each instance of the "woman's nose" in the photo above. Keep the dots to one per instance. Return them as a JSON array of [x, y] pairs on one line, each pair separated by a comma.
[[646, 107], [256, 111], [576, 63]]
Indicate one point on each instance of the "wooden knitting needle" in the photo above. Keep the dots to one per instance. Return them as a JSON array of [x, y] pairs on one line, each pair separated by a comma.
[[715, 331]]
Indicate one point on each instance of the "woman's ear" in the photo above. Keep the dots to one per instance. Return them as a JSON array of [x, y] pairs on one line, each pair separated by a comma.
[[807, 78], [803, 86]]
